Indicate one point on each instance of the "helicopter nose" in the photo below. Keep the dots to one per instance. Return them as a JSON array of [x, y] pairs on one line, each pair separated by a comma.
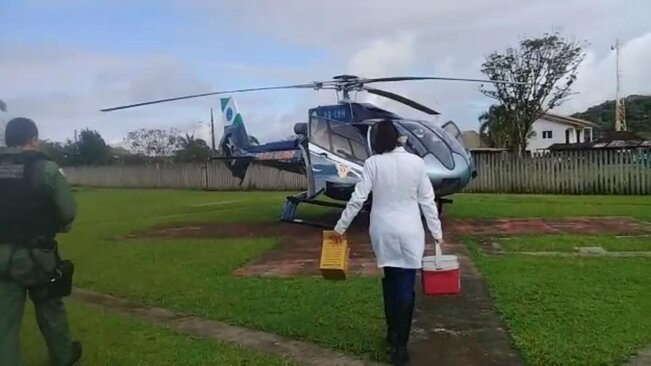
[[448, 181]]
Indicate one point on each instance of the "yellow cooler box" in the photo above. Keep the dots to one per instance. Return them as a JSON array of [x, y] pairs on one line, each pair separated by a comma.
[[334, 258]]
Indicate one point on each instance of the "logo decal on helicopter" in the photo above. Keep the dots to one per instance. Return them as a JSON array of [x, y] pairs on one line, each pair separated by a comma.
[[342, 170]]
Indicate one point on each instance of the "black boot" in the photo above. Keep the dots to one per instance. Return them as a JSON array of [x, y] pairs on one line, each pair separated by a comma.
[[76, 353], [405, 312], [389, 310]]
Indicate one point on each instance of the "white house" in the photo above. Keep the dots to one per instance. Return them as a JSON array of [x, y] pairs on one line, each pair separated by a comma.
[[554, 129]]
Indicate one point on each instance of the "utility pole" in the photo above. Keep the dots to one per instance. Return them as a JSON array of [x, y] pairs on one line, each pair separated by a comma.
[[212, 130], [620, 109]]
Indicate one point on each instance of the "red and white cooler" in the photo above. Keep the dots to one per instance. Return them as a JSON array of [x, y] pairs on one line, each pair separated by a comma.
[[440, 274]]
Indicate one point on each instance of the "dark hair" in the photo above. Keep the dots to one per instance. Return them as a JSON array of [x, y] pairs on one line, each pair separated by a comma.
[[20, 131], [386, 137]]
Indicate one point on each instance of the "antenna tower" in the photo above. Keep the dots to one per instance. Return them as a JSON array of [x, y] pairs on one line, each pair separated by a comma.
[[620, 110]]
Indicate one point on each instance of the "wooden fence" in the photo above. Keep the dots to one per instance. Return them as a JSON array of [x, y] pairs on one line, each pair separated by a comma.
[[580, 172], [210, 176], [571, 172]]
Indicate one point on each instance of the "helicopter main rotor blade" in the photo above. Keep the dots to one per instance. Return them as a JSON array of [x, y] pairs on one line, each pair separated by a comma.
[[297, 86], [401, 99], [414, 78]]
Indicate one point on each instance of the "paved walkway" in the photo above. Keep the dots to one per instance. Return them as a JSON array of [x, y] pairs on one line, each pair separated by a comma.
[[455, 330], [643, 358], [463, 329], [300, 352]]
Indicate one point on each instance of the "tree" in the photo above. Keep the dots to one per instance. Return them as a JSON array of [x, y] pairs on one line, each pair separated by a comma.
[[192, 149], [152, 142], [548, 67], [638, 116], [56, 151], [496, 128], [91, 149]]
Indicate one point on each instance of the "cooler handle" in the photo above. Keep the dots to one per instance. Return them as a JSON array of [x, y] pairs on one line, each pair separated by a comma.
[[437, 255]]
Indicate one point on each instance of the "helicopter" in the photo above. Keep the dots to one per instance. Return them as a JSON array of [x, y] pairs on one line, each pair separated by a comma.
[[330, 149]]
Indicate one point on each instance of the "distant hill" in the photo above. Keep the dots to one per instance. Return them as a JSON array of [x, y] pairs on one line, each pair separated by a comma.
[[638, 115]]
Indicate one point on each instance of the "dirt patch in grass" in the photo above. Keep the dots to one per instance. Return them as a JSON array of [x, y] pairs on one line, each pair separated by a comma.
[[299, 248]]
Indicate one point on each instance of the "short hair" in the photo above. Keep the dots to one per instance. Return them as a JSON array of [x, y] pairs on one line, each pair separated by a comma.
[[20, 131], [386, 137]]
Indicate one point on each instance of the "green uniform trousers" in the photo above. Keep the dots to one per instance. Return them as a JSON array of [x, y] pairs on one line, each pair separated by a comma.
[[52, 321]]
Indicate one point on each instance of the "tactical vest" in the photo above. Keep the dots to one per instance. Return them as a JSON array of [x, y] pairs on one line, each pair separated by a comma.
[[26, 211]]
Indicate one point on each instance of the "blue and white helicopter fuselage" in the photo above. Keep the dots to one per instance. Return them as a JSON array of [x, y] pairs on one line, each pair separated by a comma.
[[331, 149]]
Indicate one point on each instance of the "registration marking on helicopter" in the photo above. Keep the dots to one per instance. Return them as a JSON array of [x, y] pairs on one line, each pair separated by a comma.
[[278, 155]]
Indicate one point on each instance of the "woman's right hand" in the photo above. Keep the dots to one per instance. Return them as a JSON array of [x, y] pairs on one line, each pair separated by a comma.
[[336, 237]]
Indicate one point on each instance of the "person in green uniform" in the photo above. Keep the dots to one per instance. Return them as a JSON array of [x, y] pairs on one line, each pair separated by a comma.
[[36, 203]]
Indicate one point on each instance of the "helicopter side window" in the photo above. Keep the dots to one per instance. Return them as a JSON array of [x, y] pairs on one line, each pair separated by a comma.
[[319, 134], [340, 138], [348, 141]]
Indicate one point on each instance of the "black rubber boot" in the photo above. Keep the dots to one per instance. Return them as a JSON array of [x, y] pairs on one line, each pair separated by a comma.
[[76, 354], [405, 312], [389, 311]]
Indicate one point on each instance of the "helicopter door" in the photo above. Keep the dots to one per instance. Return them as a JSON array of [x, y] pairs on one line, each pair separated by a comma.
[[451, 128], [337, 153]]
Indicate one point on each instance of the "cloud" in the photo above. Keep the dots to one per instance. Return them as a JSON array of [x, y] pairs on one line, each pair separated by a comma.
[[450, 38], [64, 89], [63, 86], [597, 75]]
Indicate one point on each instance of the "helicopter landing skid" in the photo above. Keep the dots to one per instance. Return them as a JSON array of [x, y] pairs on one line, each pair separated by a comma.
[[288, 213]]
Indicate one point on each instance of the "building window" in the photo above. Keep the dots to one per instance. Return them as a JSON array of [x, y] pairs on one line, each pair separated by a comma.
[[547, 135]]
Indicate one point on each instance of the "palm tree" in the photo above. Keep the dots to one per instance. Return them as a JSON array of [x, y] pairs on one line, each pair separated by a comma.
[[192, 149], [497, 128], [187, 141]]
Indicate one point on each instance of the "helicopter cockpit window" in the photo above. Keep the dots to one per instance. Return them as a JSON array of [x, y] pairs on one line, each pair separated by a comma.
[[451, 128], [456, 144], [412, 145], [432, 142]]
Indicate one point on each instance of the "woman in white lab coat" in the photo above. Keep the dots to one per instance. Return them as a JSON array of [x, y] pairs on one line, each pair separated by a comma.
[[399, 186]]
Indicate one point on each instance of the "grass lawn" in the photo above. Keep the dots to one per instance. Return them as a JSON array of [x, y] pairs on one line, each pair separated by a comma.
[[501, 206], [567, 243], [572, 311], [112, 339], [193, 276]]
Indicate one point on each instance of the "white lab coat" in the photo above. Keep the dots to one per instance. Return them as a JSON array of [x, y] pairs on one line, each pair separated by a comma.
[[400, 185]]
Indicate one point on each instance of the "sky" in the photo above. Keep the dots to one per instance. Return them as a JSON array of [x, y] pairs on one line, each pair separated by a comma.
[[61, 61]]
